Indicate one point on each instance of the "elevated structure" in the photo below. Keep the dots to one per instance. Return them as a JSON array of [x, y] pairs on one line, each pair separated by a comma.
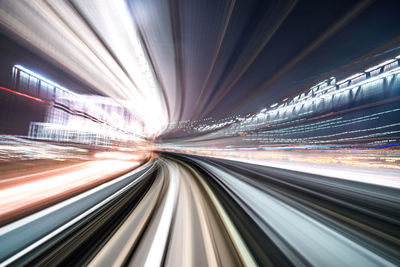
[[366, 102], [71, 117]]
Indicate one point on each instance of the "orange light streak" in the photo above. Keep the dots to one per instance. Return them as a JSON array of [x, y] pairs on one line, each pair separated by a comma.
[[30, 195]]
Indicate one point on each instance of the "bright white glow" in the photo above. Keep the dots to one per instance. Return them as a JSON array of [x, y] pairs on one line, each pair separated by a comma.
[[380, 65], [351, 77], [114, 64], [117, 156], [156, 252], [30, 193]]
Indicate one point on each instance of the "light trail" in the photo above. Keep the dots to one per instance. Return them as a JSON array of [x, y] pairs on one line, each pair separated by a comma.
[[147, 171], [31, 193], [190, 211], [24, 95]]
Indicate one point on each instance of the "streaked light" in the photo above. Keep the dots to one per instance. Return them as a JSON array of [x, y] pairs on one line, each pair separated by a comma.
[[350, 78], [380, 65], [22, 94]]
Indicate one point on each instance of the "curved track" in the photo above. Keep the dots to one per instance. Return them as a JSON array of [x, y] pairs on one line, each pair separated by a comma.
[[190, 211]]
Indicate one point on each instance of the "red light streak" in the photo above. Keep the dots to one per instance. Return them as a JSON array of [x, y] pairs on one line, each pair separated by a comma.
[[21, 94]]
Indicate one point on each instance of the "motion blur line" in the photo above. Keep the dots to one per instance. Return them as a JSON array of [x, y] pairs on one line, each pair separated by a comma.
[[300, 230], [306, 189], [4, 183], [218, 248], [323, 210], [41, 238], [180, 250], [117, 249], [25, 197], [156, 253], [150, 252], [205, 227], [241, 247]]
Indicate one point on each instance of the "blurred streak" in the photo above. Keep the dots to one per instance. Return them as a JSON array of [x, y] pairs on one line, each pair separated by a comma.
[[238, 209], [148, 172], [184, 247], [30, 193], [217, 51], [121, 73], [21, 94], [118, 248], [284, 9], [16, 149], [25, 237], [196, 211], [291, 222], [367, 166], [150, 253], [118, 156]]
